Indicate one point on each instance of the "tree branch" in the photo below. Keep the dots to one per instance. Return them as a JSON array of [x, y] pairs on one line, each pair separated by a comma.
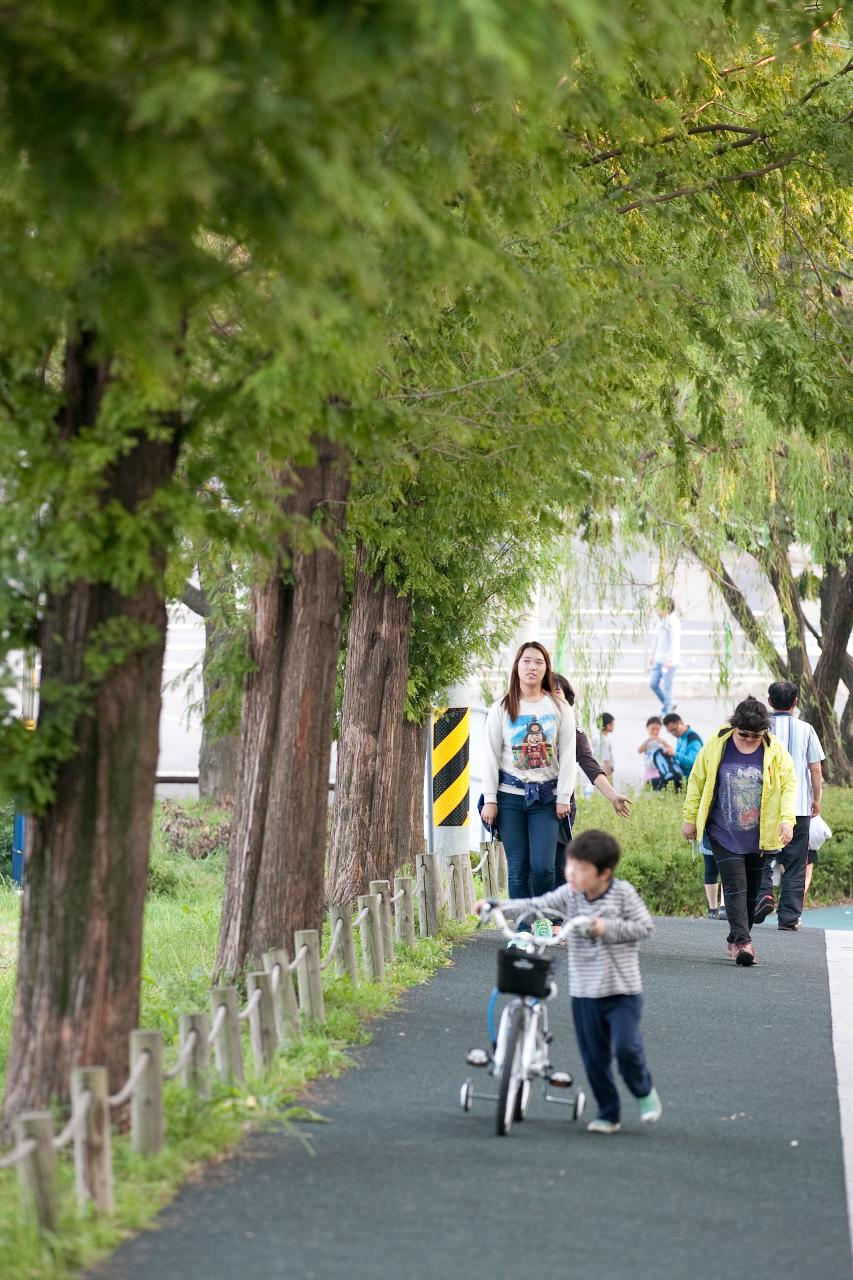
[[196, 600], [709, 185]]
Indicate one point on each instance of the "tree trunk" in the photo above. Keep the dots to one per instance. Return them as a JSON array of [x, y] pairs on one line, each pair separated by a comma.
[[77, 993], [815, 706], [410, 821], [365, 817], [274, 883]]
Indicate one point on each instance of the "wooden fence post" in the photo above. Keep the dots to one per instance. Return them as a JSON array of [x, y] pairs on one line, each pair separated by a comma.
[[371, 938], [428, 897], [503, 872], [309, 978], [495, 870], [404, 916], [345, 961], [468, 881], [262, 1021], [196, 1070], [456, 885], [146, 1102], [228, 1049], [382, 889], [35, 1174], [485, 869], [284, 998], [93, 1159]]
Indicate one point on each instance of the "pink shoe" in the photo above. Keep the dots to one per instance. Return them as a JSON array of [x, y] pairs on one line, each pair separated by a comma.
[[746, 955], [732, 948]]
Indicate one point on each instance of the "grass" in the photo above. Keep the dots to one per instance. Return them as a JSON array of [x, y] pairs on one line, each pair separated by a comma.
[[179, 948]]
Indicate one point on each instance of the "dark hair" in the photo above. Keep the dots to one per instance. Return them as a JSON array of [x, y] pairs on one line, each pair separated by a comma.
[[566, 687], [605, 719], [667, 602], [653, 720], [751, 716], [597, 847], [512, 698], [671, 717], [782, 695]]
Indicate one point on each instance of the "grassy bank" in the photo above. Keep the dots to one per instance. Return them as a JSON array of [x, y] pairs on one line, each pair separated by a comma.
[[669, 875], [181, 924]]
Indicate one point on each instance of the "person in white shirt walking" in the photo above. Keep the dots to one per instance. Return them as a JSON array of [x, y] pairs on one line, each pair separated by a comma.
[[529, 770], [804, 746], [666, 654]]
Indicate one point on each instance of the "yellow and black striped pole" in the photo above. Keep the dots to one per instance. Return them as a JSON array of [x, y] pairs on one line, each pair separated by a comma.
[[451, 770]]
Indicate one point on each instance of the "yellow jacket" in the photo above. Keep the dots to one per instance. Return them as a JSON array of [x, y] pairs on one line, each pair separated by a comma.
[[778, 790]]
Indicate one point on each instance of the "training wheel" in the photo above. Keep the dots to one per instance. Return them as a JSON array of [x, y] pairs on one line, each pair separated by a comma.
[[580, 1103], [466, 1095]]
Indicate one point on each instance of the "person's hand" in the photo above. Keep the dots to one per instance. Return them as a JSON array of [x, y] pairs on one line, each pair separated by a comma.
[[596, 927], [669, 750], [488, 813], [621, 805], [786, 833], [815, 808], [478, 906], [562, 810], [688, 830]]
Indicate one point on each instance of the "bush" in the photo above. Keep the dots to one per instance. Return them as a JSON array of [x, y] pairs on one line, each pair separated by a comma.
[[668, 874]]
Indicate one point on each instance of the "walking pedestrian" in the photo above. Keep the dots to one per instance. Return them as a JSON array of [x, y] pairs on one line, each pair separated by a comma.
[[742, 790], [597, 777], [665, 654], [804, 746], [604, 974], [529, 770]]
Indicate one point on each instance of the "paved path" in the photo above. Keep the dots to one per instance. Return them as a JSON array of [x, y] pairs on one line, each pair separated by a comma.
[[403, 1185]]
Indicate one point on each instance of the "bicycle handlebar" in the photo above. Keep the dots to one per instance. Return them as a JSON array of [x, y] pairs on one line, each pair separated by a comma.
[[492, 912]]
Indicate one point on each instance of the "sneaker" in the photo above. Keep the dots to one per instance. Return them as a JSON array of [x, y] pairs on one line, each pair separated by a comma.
[[733, 948], [764, 907], [722, 914], [543, 929], [745, 955], [650, 1108], [789, 928], [712, 914], [603, 1126]]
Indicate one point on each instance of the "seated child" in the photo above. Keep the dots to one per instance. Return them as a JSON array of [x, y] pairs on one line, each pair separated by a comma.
[[604, 974]]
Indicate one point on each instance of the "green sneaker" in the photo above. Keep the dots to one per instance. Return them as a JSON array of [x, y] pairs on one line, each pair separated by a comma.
[[543, 929], [603, 1126], [650, 1108]]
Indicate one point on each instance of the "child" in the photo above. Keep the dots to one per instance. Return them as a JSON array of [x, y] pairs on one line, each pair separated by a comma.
[[604, 974], [658, 769]]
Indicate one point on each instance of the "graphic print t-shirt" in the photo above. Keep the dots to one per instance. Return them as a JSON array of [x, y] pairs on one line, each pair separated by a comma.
[[736, 811]]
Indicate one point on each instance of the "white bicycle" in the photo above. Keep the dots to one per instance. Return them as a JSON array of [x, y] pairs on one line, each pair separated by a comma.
[[520, 1050]]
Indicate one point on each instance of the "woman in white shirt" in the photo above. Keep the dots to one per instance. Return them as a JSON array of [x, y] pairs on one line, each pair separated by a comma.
[[529, 771]]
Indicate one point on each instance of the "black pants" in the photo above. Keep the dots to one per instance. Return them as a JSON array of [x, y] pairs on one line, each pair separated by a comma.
[[793, 885], [606, 1028], [740, 876]]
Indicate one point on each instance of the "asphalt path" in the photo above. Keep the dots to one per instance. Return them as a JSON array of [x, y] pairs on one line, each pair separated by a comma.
[[743, 1175]]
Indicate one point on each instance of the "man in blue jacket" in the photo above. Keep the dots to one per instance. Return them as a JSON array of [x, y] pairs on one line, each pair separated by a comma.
[[688, 744]]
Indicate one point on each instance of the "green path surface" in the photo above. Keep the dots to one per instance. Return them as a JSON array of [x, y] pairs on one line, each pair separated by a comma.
[[743, 1175]]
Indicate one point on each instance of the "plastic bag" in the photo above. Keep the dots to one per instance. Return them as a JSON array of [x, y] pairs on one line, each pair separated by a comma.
[[819, 832]]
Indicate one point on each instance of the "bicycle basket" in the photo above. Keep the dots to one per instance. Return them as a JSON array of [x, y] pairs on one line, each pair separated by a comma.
[[520, 974]]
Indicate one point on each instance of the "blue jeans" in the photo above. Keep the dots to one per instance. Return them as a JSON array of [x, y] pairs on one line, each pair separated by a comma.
[[609, 1027], [530, 839], [660, 683]]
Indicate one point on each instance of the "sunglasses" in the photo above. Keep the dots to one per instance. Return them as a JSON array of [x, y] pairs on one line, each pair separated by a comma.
[[749, 737]]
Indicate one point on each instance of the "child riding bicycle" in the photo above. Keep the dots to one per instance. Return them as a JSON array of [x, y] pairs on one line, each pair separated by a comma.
[[608, 918]]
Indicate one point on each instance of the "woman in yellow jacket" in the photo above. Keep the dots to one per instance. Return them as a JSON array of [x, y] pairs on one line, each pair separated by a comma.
[[742, 792]]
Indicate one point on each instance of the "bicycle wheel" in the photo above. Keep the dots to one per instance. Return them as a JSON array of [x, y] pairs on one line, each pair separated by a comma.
[[510, 1081]]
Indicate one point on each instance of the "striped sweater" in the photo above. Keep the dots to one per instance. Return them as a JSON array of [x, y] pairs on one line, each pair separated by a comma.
[[599, 967]]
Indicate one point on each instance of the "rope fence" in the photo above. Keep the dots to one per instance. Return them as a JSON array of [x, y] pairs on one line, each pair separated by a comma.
[[277, 1010]]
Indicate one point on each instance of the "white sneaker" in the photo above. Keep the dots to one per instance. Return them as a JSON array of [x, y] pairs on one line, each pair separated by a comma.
[[603, 1126]]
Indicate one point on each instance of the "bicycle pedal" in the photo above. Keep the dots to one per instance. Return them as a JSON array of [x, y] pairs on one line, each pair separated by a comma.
[[560, 1080]]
